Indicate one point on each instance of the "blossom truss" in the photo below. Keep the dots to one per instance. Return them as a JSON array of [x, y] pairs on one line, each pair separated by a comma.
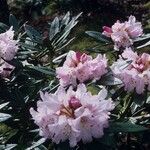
[[80, 67], [122, 34], [72, 115], [137, 74], [8, 49]]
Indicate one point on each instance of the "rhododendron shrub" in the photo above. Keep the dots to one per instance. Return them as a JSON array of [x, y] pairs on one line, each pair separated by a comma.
[[55, 98]]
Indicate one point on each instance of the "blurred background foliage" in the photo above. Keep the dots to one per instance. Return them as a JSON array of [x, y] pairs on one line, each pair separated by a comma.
[[96, 13]]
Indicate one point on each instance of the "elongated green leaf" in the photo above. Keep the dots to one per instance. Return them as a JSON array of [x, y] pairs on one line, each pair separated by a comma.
[[98, 36], [7, 147], [140, 99], [36, 144], [76, 17], [142, 38], [3, 27], [62, 38], [4, 117], [70, 25], [59, 58], [44, 70], [13, 22], [64, 44], [41, 147], [126, 127], [16, 63], [3, 105], [144, 45], [66, 32], [148, 100], [26, 52], [27, 46], [109, 79], [109, 140], [65, 20], [54, 29], [121, 64], [33, 34]]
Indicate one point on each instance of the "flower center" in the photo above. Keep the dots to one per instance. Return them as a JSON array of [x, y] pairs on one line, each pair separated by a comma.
[[67, 112], [80, 58], [74, 103], [141, 65]]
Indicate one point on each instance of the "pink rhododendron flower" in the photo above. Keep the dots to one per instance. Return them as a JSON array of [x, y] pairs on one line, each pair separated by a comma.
[[122, 34], [72, 115], [137, 74], [80, 67], [8, 49], [8, 46], [133, 28]]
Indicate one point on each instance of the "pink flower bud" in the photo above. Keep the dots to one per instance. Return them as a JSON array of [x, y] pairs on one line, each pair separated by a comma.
[[74, 103]]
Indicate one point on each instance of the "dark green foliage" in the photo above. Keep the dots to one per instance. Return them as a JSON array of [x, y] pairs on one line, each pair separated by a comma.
[[35, 64]]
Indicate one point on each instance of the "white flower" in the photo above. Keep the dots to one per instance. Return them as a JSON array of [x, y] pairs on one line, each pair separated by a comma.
[[72, 115]]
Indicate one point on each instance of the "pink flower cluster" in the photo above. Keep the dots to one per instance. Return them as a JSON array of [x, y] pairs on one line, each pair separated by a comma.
[[72, 115], [122, 34], [137, 74], [8, 49], [80, 67]]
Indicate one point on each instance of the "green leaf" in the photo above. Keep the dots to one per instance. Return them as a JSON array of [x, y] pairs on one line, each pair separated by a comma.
[[139, 99], [65, 20], [122, 64], [54, 29], [66, 32], [144, 45], [142, 38], [33, 34], [36, 144], [148, 100], [76, 17], [59, 58], [117, 93], [125, 127], [44, 70], [108, 140], [16, 63], [98, 36], [3, 105], [7, 147], [109, 79], [3, 27], [4, 117], [41, 147], [61, 41], [27, 46], [13, 22], [71, 24]]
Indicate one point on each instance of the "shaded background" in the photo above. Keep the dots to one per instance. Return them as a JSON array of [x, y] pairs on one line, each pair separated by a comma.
[[96, 13]]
